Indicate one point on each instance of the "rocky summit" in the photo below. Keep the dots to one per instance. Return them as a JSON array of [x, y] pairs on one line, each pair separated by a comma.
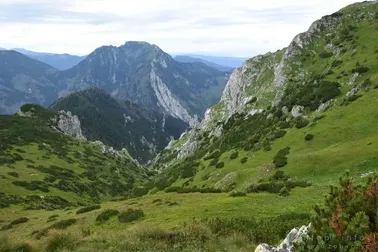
[[144, 74]]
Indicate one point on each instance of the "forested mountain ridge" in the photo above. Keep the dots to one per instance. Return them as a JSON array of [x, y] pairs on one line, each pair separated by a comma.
[[121, 124]]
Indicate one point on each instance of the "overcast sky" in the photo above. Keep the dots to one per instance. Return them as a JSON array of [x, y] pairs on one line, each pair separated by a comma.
[[215, 27]]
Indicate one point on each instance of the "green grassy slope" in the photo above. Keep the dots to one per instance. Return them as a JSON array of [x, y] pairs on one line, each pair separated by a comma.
[[43, 168], [338, 56]]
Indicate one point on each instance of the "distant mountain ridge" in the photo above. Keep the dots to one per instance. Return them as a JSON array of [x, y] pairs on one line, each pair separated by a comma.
[[144, 74], [137, 71], [188, 59], [59, 61], [232, 62], [24, 80]]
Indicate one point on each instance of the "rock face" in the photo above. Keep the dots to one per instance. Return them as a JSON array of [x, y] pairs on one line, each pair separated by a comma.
[[189, 146], [287, 245], [167, 101], [69, 124]]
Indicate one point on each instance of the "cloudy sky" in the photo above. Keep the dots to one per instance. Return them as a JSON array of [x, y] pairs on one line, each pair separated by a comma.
[[241, 28]]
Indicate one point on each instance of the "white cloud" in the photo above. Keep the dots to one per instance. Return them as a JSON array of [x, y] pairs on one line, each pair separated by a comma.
[[218, 27]]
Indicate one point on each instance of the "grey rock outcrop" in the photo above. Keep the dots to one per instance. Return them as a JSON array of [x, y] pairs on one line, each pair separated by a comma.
[[189, 146], [324, 106], [354, 91], [111, 151], [234, 95], [297, 111], [353, 79], [227, 181], [287, 245], [168, 102], [68, 124]]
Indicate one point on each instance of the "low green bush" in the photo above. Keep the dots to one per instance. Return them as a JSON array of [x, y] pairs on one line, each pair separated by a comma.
[[348, 215], [279, 176], [88, 209], [214, 162], [279, 134], [54, 216], [280, 160], [171, 204], [360, 69], [252, 100], [106, 214], [219, 165], [325, 54], [213, 155], [284, 191], [350, 99], [17, 157], [234, 155], [309, 137], [13, 174], [130, 215], [32, 185], [366, 83], [35, 202], [336, 63], [172, 189], [244, 160], [61, 225], [284, 125], [60, 241], [276, 186], [301, 122], [6, 227], [7, 246], [238, 194], [20, 220]]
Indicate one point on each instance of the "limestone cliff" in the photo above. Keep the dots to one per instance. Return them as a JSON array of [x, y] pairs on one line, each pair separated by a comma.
[[68, 124]]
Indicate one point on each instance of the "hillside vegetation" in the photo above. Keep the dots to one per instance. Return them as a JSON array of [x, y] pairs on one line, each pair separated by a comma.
[[121, 124], [319, 122], [41, 168]]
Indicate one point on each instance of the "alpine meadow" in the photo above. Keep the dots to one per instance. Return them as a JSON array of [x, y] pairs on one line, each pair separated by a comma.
[[131, 149]]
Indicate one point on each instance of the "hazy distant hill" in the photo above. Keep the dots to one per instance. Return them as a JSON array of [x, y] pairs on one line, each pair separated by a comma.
[[188, 59], [59, 61], [232, 62]]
